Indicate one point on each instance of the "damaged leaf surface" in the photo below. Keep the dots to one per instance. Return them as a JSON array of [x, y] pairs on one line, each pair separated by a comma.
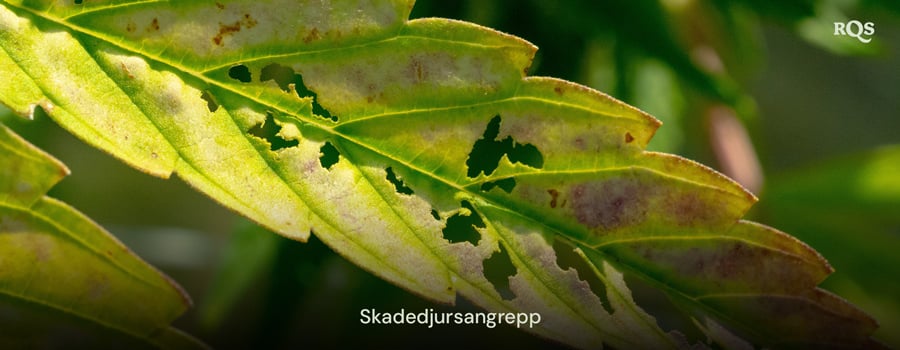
[[64, 281], [374, 131]]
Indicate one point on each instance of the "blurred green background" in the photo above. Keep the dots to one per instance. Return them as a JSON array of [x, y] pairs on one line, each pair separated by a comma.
[[759, 89]]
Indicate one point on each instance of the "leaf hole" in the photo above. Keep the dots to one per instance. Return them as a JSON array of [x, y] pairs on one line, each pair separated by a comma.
[[461, 227], [329, 155], [487, 152], [435, 214], [398, 183], [285, 76], [282, 75], [498, 269], [507, 185], [210, 101], [567, 258], [303, 91], [269, 130], [78, 2], [240, 73], [668, 313]]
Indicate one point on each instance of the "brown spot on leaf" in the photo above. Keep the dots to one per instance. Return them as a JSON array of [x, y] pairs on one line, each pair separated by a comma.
[[610, 204], [628, 137], [554, 196], [229, 29], [558, 90], [220, 5], [416, 70], [428, 67], [98, 286], [225, 30], [579, 142], [154, 25], [127, 72], [130, 27], [312, 36]]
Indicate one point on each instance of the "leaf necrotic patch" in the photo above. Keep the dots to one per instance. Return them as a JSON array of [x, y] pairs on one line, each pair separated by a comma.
[[269, 130], [487, 152], [285, 77]]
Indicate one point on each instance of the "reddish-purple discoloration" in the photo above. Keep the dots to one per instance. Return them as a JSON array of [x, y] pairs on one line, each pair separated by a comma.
[[730, 265], [610, 204], [689, 209]]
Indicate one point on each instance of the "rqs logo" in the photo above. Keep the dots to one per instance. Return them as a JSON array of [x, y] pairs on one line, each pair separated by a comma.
[[855, 29]]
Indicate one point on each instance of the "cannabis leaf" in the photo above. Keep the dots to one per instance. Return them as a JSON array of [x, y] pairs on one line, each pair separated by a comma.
[[419, 151], [64, 282]]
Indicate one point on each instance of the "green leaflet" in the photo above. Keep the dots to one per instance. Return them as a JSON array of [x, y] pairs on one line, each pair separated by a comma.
[[63, 280], [372, 131]]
